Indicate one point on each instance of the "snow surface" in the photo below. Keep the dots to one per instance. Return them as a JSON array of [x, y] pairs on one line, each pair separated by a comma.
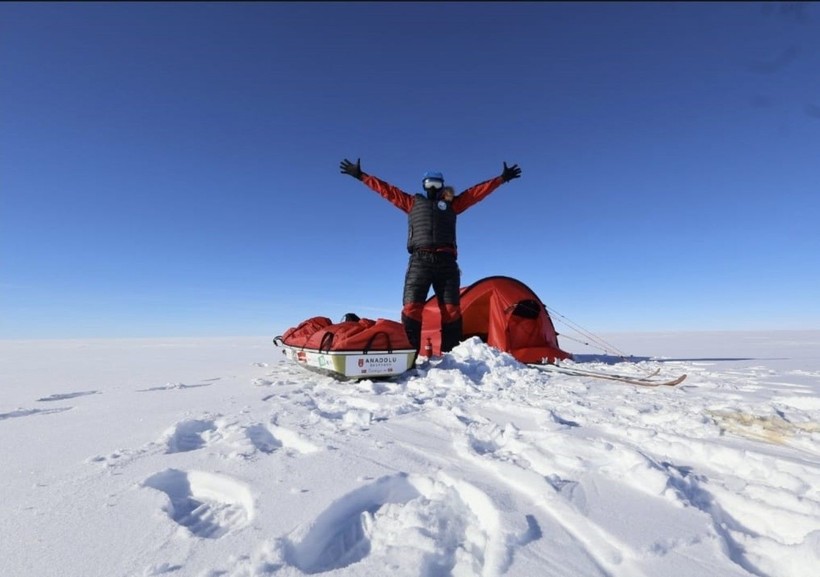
[[218, 457]]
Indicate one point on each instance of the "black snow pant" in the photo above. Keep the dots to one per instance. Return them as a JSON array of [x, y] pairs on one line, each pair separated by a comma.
[[439, 270]]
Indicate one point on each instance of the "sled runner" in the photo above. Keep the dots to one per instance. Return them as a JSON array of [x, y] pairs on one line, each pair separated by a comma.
[[350, 350]]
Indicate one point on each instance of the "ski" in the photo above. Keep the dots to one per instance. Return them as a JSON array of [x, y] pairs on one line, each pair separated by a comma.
[[592, 372], [648, 381]]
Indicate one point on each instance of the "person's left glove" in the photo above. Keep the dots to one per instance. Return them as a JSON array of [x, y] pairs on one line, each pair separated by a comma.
[[354, 170], [510, 172]]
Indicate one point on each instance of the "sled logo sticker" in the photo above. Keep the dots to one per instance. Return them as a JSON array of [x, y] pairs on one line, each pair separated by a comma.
[[375, 364]]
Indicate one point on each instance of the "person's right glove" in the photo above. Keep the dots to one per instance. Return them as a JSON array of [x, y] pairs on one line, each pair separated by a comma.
[[510, 172], [354, 170]]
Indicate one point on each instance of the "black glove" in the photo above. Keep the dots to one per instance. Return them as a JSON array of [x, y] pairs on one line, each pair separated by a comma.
[[354, 170], [510, 172]]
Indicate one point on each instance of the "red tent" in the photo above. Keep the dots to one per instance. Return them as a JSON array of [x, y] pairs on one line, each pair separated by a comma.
[[506, 314]]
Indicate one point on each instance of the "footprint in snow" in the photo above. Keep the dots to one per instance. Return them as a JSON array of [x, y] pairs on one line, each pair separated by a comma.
[[30, 412], [441, 525], [173, 387], [262, 439], [270, 438], [190, 435], [208, 505], [183, 437], [65, 396], [231, 440]]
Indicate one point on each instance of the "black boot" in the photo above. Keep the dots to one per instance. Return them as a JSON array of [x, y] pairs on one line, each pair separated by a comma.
[[413, 329], [451, 335]]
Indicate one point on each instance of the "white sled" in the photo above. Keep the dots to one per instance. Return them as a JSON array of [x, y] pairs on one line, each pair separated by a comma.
[[351, 365]]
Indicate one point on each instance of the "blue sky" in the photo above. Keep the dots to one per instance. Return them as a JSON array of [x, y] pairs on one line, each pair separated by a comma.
[[171, 169]]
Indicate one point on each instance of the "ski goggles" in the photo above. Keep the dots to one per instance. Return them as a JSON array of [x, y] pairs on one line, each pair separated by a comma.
[[432, 183]]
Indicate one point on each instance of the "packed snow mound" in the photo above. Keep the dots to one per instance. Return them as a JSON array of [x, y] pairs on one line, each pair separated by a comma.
[[475, 360], [474, 351]]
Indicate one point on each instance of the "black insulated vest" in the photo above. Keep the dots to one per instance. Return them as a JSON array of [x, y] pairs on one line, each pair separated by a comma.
[[429, 226]]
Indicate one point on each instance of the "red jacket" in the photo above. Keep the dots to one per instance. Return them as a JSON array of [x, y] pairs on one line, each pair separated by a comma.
[[431, 224], [405, 201]]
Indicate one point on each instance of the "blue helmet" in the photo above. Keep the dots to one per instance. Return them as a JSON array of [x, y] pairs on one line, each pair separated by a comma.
[[432, 181]]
